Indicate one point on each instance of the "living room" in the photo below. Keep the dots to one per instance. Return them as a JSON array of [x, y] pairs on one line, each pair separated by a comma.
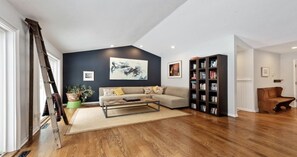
[[252, 34]]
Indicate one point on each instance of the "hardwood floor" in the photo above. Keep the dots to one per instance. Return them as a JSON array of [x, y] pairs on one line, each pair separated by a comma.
[[251, 134]]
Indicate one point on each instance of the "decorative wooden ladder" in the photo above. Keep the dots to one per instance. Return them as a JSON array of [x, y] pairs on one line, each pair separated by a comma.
[[48, 79]]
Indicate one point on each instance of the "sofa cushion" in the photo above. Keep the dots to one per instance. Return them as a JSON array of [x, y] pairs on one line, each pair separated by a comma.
[[108, 92], [158, 90], [117, 97], [171, 101], [118, 91], [148, 90], [177, 91], [133, 90]]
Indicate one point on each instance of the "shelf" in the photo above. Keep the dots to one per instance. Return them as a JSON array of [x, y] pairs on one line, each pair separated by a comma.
[[193, 70], [211, 95]]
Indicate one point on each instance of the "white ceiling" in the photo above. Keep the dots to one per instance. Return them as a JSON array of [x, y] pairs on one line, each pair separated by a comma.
[[259, 23], [77, 25]]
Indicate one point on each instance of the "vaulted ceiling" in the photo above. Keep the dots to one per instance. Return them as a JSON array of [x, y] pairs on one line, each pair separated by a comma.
[[76, 25]]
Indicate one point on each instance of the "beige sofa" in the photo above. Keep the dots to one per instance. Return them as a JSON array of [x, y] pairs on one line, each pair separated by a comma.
[[172, 97]]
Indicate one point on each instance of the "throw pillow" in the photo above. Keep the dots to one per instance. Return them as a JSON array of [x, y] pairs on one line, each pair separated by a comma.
[[148, 90], [158, 90], [108, 92], [118, 91]]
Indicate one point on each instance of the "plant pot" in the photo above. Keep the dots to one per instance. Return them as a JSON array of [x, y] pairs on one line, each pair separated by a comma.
[[72, 97], [73, 104]]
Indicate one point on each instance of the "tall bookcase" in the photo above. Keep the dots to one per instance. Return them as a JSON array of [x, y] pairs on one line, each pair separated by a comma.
[[208, 84]]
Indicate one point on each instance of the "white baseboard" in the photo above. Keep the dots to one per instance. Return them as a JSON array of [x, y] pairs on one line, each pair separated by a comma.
[[246, 109], [232, 115], [91, 103]]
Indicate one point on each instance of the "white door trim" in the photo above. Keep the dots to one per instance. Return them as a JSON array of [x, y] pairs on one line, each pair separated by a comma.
[[13, 86], [295, 80]]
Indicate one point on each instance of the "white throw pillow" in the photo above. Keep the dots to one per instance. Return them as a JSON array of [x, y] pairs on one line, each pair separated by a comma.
[[158, 90], [108, 92], [148, 90]]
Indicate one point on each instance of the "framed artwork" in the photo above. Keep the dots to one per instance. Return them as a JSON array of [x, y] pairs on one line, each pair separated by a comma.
[[88, 75], [264, 71], [128, 69], [174, 69]]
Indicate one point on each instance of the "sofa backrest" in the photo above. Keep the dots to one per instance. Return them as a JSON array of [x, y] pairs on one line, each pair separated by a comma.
[[177, 91], [126, 90], [271, 92]]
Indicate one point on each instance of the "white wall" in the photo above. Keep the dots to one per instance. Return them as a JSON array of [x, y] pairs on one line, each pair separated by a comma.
[[270, 60], [287, 73], [185, 28], [11, 16]]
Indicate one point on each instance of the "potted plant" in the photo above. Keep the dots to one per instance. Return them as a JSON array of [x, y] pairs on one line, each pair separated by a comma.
[[73, 93], [86, 92], [77, 94]]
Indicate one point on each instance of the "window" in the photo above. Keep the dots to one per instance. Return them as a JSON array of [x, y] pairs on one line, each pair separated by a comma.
[[55, 65], [2, 92]]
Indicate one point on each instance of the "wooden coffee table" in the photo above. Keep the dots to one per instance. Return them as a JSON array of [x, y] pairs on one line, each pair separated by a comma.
[[120, 104]]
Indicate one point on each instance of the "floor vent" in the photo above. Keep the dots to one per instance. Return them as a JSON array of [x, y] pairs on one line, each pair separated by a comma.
[[24, 153], [45, 126]]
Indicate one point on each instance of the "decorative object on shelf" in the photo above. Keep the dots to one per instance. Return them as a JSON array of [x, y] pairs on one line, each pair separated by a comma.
[[128, 69], [174, 69], [88, 75], [264, 71]]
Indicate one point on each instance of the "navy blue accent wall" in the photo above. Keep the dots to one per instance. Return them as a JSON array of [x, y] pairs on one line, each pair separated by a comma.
[[98, 61]]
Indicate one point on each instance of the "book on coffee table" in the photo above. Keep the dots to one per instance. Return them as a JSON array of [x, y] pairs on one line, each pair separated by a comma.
[[131, 99]]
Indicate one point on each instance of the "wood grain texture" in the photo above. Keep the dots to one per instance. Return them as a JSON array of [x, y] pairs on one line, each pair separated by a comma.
[[251, 134]]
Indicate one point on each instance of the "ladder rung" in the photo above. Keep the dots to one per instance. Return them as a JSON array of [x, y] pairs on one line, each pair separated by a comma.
[[49, 82], [45, 67], [55, 130]]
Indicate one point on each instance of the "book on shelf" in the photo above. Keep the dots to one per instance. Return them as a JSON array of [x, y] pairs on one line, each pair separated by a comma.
[[194, 96], [203, 108], [202, 86], [193, 105], [213, 110], [193, 84], [194, 66], [202, 64], [212, 74], [193, 76], [202, 75], [203, 97], [214, 99]]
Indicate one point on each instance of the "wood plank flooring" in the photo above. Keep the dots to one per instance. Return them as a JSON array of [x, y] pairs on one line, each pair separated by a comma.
[[249, 135]]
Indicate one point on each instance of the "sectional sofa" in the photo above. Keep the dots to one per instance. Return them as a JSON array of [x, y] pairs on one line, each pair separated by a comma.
[[171, 97]]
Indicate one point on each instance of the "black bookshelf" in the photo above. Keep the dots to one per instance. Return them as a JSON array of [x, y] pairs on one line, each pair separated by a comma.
[[208, 85]]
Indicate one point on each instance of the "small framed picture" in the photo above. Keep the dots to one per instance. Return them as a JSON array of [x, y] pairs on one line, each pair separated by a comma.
[[174, 69], [88, 75], [264, 71]]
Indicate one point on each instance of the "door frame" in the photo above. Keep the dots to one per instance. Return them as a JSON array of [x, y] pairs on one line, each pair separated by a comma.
[[295, 80]]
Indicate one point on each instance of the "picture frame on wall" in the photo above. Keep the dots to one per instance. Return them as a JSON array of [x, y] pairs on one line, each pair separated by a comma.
[[128, 69], [264, 71], [175, 69], [88, 75]]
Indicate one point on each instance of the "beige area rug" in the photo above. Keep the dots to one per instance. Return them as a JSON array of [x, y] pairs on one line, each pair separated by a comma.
[[90, 119]]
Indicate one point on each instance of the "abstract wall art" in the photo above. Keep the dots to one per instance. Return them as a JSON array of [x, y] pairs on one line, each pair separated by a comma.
[[128, 69]]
